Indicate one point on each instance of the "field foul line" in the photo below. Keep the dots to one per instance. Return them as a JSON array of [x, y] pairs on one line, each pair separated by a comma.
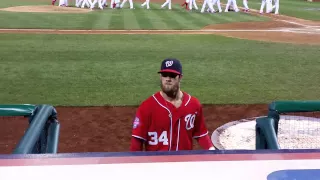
[[203, 31], [35, 31], [303, 32], [295, 23]]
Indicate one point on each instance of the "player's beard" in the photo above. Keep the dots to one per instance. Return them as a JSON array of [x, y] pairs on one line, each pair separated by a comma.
[[170, 91]]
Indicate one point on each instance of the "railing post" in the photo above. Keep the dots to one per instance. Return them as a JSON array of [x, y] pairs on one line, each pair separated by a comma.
[[32, 135], [266, 134]]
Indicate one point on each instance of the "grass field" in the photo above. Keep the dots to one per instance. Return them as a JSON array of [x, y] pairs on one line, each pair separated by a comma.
[[123, 19], [141, 18], [109, 69]]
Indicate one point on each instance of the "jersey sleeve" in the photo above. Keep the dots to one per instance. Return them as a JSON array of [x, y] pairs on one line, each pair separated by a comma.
[[200, 126], [140, 122]]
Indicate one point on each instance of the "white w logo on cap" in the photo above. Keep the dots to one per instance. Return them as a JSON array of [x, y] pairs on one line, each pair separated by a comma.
[[169, 63]]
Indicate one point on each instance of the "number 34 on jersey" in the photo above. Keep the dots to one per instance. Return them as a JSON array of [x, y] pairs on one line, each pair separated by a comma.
[[156, 138]]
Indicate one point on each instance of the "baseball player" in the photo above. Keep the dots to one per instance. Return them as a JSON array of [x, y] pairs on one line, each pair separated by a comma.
[[146, 3], [95, 2], [268, 4], [245, 4], [276, 6], [209, 3], [189, 4], [192, 3], [85, 3], [115, 4], [78, 3], [218, 5], [170, 119], [167, 3], [104, 3], [124, 2], [63, 3], [185, 4], [234, 5]]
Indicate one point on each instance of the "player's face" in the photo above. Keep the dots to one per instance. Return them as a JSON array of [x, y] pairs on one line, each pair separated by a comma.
[[170, 83]]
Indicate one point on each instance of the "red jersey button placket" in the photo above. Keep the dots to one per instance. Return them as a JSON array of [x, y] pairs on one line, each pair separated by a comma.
[[170, 116]]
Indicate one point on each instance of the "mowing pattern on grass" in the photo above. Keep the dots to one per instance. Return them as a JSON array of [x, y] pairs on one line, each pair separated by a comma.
[[106, 69], [122, 19]]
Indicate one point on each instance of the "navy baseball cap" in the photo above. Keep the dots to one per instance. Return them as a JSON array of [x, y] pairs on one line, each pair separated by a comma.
[[171, 65]]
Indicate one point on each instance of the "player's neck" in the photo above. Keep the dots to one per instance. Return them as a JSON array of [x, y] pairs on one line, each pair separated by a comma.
[[178, 96]]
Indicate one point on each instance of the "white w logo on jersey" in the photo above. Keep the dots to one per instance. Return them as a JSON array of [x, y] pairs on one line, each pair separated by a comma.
[[169, 63], [190, 121]]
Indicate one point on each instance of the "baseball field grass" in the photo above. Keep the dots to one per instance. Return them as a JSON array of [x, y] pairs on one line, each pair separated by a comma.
[[122, 69], [122, 19], [155, 18]]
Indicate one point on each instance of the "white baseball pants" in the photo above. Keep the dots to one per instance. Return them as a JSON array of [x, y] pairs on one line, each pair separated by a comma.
[[276, 6], [86, 3], [168, 2], [146, 3], [78, 3], [268, 4], [192, 3], [234, 4], [95, 2], [104, 2], [218, 4], [245, 4], [124, 2], [63, 3], [205, 3]]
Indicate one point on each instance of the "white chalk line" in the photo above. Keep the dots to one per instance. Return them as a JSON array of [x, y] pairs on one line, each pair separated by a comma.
[[204, 30], [294, 30], [295, 23]]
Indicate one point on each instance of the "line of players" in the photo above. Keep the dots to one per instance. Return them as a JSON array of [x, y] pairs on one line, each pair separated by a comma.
[[207, 5]]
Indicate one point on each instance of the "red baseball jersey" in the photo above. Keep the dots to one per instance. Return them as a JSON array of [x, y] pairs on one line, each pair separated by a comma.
[[164, 127]]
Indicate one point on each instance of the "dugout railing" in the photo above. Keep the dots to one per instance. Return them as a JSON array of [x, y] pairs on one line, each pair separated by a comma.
[[267, 127], [42, 133]]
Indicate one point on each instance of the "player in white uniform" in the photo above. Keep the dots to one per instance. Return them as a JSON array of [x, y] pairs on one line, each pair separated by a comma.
[[167, 3], [268, 4], [245, 4], [276, 6], [104, 3], [192, 3], [124, 2], [209, 3], [146, 3], [95, 2], [84, 3], [218, 5], [234, 4], [63, 3], [78, 3]]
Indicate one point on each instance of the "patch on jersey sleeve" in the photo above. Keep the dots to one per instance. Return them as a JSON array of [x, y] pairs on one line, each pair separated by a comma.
[[136, 122]]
